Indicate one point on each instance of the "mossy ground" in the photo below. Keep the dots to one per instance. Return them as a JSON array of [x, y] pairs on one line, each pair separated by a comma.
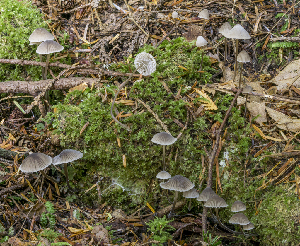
[[135, 184]]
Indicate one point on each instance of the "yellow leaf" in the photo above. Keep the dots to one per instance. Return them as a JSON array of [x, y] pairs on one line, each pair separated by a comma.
[[149, 206], [264, 136], [205, 100], [77, 231]]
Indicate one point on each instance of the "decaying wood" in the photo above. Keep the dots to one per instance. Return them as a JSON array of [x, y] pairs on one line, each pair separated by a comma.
[[35, 87]]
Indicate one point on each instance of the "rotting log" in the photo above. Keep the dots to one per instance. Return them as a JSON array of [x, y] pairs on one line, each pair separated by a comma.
[[35, 87]]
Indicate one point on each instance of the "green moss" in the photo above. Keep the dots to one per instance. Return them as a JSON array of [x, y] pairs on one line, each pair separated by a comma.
[[136, 183], [18, 19]]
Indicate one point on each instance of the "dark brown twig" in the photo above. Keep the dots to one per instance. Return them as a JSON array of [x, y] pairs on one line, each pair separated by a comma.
[[213, 155]]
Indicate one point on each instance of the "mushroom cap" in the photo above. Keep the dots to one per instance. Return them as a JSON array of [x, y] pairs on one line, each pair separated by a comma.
[[201, 41], [206, 194], [145, 63], [248, 227], [192, 193], [238, 206], [215, 202], [239, 219], [204, 14], [178, 183], [49, 47], [238, 32], [225, 28], [35, 162], [174, 14], [243, 56], [66, 156], [40, 35], [163, 138], [247, 89], [163, 175]]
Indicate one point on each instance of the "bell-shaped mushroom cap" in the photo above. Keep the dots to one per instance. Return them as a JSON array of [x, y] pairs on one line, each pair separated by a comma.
[[163, 138], [192, 193], [178, 183], [239, 219], [225, 28], [238, 206], [145, 63], [40, 35], [238, 32], [49, 47], [174, 14], [248, 227], [247, 89], [243, 56], [206, 194], [215, 202], [35, 162], [66, 156], [204, 14], [201, 41], [163, 175]]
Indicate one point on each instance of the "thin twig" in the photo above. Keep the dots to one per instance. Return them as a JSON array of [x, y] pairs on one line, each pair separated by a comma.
[[213, 154], [155, 115]]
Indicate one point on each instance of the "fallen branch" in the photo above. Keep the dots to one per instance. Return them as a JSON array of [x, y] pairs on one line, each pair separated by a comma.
[[80, 69], [35, 87]]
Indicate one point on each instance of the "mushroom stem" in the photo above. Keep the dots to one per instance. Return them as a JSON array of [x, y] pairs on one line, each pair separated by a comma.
[[236, 54], [240, 80], [46, 68], [190, 204], [225, 49], [164, 157], [48, 177], [203, 27], [41, 60], [246, 105], [201, 67], [66, 174], [175, 200]]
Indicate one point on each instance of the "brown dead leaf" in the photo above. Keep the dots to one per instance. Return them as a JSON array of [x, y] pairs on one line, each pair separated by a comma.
[[256, 109], [284, 121], [290, 75]]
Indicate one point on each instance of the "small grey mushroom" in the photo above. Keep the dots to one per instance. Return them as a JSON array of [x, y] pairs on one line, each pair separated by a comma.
[[190, 194], [66, 156], [206, 194], [36, 162], [238, 206], [177, 183], [237, 32], [248, 227], [46, 48], [163, 175], [163, 138], [239, 219]]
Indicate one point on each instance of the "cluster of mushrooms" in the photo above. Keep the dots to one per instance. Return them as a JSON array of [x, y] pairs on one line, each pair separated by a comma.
[[39, 162], [235, 33], [182, 184], [46, 46]]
